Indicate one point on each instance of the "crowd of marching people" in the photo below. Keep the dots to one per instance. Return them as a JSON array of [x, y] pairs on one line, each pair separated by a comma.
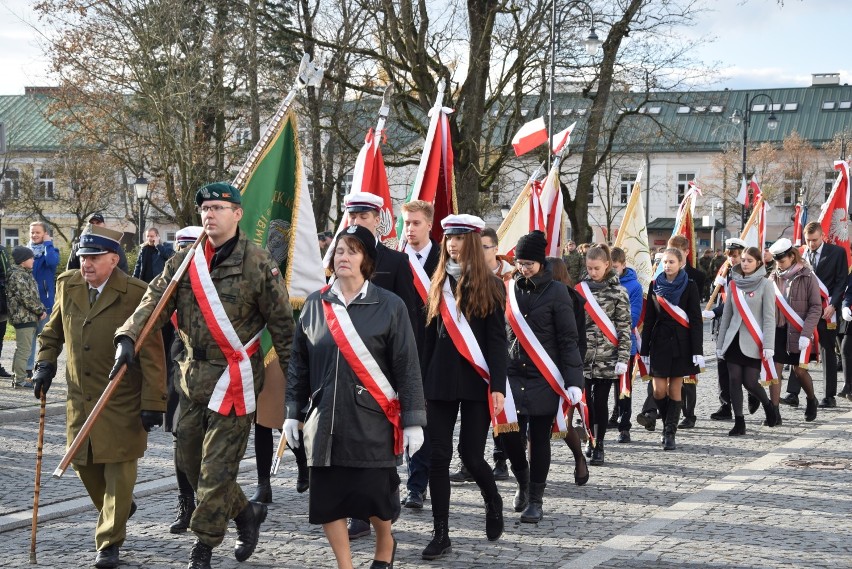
[[403, 349]]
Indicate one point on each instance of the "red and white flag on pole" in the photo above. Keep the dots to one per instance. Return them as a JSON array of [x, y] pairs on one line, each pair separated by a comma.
[[531, 135], [435, 180], [554, 210], [560, 139], [742, 197], [834, 214]]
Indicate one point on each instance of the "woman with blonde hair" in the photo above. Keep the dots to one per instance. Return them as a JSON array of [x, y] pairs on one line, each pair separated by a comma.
[[464, 372]]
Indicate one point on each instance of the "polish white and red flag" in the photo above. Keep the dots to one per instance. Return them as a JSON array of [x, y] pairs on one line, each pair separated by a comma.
[[834, 214], [560, 139], [531, 135]]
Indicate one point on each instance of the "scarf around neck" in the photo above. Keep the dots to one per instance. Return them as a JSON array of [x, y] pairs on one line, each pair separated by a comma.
[[671, 291], [37, 249], [751, 282], [453, 269]]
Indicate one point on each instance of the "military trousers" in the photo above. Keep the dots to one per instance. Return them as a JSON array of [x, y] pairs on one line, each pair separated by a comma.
[[110, 487], [25, 338], [209, 449]]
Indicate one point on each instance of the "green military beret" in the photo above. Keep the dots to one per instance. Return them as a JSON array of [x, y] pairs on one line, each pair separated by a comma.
[[222, 191]]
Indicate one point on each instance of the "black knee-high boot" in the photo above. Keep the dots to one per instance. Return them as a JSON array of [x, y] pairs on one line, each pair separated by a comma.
[[662, 407], [672, 415], [302, 480]]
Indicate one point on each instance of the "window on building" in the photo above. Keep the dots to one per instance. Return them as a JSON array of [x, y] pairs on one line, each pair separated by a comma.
[[654, 110], [10, 238], [845, 105], [792, 187], [46, 185], [627, 181], [683, 180], [171, 236], [682, 110], [828, 106], [495, 197], [11, 184], [791, 106], [701, 109], [592, 194], [830, 177], [716, 108], [758, 108], [566, 112], [243, 136]]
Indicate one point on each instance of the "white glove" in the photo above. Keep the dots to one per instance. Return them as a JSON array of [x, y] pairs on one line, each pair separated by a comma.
[[720, 281], [803, 343], [291, 431], [847, 313], [575, 394], [720, 354], [708, 314], [767, 354], [646, 360], [620, 368], [412, 439], [699, 361]]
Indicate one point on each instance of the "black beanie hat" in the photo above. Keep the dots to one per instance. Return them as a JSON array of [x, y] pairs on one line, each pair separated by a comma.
[[362, 234], [531, 247], [21, 254]]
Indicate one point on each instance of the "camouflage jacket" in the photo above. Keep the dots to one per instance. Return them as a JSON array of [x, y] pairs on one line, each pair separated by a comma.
[[253, 295], [25, 305], [574, 263], [601, 354]]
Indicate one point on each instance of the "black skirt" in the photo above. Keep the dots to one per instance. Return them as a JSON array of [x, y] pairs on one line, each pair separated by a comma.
[[734, 355], [339, 492], [669, 367]]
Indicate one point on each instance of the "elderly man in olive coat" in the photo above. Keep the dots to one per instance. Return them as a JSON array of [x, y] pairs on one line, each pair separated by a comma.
[[91, 303]]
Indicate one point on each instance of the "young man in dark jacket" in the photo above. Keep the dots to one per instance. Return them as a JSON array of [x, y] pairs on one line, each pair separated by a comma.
[[152, 256]]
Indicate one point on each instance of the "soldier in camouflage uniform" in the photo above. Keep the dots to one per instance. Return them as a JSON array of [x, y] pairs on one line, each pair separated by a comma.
[[574, 261], [211, 439], [604, 361]]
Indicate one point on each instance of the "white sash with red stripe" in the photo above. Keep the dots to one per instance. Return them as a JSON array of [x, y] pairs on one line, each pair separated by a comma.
[[826, 298], [767, 364], [421, 279], [532, 346], [465, 342], [677, 313], [597, 313], [235, 387], [364, 365], [797, 323]]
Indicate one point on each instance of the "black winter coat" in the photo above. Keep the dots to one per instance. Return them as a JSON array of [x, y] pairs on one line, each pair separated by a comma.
[[344, 425], [663, 338], [548, 309], [447, 376]]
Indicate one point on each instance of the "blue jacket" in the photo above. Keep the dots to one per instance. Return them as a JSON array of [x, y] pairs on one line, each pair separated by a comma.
[[634, 291], [44, 273]]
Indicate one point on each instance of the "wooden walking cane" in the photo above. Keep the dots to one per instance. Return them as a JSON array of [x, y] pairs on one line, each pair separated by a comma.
[[39, 448], [310, 75], [279, 454]]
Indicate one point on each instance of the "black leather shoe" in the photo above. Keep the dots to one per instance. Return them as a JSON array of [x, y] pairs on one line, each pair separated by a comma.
[[790, 399], [132, 509], [263, 494], [500, 471], [753, 404], [440, 544], [107, 557], [828, 403], [597, 455], [199, 557], [358, 528], [624, 436], [248, 529], [581, 480], [413, 500], [376, 564], [613, 422], [494, 518], [844, 394], [647, 420], [811, 410], [461, 475], [723, 414], [186, 506], [687, 423]]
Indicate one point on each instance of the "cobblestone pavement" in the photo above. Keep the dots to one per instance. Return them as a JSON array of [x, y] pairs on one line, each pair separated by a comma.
[[774, 498]]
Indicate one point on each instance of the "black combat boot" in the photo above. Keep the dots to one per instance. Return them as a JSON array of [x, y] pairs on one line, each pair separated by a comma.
[[672, 415], [199, 557], [248, 529], [534, 512], [263, 494], [739, 427], [597, 454], [186, 505], [522, 495], [811, 409], [440, 544], [493, 516]]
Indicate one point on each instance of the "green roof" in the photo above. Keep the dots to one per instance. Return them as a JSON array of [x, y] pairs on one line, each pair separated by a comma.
[[27, 128], [668, 223]]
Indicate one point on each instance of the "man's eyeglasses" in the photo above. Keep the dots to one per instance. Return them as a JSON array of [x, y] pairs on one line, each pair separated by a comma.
[[525, 264], [216, 208]]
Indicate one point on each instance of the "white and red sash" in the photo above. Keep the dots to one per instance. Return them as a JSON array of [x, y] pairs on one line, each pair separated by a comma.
[[364, 365], [542, 360], [767, 372], [465, 342], [677, 313], [597, 313], [235, 387], [798, 324], [639, 366], [421, 279], [831, 323]]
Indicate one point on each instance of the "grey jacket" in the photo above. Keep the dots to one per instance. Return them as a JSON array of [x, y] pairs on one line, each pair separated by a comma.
[[761, 301], [344, 425]]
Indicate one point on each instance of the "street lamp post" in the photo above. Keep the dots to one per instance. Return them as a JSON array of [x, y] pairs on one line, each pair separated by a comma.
[[744, 117], [591, 43], [2, 215], [140, 187]]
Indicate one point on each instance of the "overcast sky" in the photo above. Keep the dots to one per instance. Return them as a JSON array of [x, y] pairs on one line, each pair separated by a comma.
[[758, 43]]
